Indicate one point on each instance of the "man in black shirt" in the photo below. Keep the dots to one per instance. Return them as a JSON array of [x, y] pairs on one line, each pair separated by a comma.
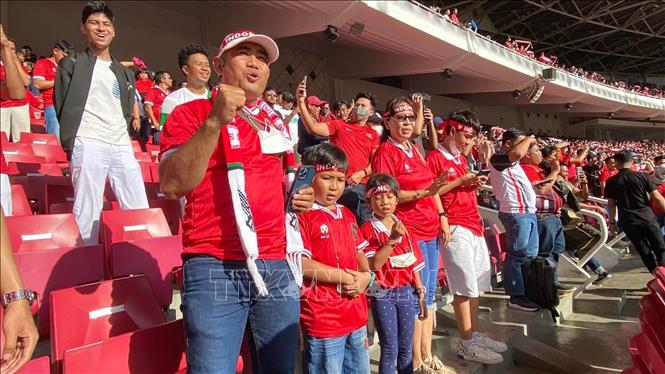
[[632, 193], [592, 170]]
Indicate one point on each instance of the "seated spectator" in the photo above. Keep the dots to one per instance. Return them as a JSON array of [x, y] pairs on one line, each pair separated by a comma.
[[453, 17], [446, 15], [509, 43], [270, 96], [544, 59]]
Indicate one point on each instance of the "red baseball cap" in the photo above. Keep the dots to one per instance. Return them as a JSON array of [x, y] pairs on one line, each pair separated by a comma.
[[313, 100], [242, 36]]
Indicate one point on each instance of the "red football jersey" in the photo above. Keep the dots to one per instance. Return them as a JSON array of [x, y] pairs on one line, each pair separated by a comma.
[[411, 172], [334, 239], [358, 142], [376, 234], [209, 225], [144, 85], [7, 103], [45, 70], [461, 203], [155, 97]]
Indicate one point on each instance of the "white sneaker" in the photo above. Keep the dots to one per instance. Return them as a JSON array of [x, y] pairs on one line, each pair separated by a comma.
[[489, 343], [480, 354]]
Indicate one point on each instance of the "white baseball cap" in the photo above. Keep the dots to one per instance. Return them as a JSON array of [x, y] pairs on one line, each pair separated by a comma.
[[243, 36]]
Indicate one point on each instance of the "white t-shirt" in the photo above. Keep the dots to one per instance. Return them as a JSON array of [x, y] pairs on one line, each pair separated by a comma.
[[293, 125], [176, 98], [102, 116]]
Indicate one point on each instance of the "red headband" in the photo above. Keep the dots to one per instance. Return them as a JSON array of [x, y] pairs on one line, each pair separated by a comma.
[[321, 168], [382, 188], [461, 127], [399, 109]]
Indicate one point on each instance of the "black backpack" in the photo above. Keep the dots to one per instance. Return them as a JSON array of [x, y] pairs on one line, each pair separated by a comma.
[[539, 287]]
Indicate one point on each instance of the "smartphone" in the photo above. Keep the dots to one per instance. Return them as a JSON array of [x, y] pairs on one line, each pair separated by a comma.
[[304, 80], [304, 178], [484, 172]]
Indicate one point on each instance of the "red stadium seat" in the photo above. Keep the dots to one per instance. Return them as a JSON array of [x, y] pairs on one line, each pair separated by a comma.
[[153, 350], [19, 152], [660, 274], [3, 138], [153, 191], [56, 269], [637, 358], [172, 211], [652, 325], [654, 362], [32, 138], [154, 172], [657, 289], [143, 157], [61, 208], [154, 257], [40, 365], [35, 188], [125, 225], [51, 153], [34, 168], [136, 146], [98, 311], [20, 204], [43, 232], [58, 193], [146, 171]]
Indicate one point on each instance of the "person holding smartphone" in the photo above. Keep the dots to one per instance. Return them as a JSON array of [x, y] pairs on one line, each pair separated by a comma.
[[466, 257]]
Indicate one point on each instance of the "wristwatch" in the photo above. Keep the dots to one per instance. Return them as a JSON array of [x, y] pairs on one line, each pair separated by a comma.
[[24, 294]]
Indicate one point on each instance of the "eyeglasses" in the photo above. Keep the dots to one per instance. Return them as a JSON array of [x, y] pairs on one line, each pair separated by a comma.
[[403, 118]]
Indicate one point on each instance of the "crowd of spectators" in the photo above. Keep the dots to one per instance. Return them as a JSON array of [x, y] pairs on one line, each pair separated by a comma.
[[526, 48]]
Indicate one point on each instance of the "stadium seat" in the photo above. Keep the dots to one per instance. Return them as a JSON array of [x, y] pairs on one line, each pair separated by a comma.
[[652, 324], [95, 312], [154, 172], [637, 358], [43, 232], [50, 270], [497, 254], [153, 191], [660, 274], [146, 171], [20, 204], [143, 157], [19, 152], [58, 193], [654, 362], [34, 168], [125, 225], [40, 365], [3, 138], [51, 153], [154, 257], [32, 138], [35, 188], [153, 350], [136, 146], [172, 211], [657, 289]]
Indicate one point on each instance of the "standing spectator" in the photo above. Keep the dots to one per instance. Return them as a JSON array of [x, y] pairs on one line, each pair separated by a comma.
[[336, 273], [592, 170], [29, 54], [420, 210], [608, 171], [94, 101], [517, 208], [633, 192], [305, 140], [289, 111], [391, 255], [270, 96], [234, 227], [358, 140], [14, 114], [43, 78], [453, 17], [341, 110], [466, 257], [194, 64], [143, 82], [153, 105]]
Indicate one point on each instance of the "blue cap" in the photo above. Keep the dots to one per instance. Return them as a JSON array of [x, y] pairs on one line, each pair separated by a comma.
[[437, 121]]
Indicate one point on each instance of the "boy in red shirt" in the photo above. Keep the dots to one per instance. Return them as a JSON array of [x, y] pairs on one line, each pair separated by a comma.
[[336, 273], [466, 257]]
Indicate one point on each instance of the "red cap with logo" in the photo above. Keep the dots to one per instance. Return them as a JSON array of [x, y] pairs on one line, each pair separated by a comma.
[[246, 36], [313, 100]]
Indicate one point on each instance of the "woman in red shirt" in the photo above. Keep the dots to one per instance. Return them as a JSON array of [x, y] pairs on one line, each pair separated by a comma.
[[419, 208]]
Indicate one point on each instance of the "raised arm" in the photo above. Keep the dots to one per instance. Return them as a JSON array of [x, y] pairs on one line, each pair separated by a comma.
[[520, 149], [312, 127]]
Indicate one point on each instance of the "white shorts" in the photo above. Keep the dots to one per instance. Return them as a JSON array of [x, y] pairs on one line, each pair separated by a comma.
[[467, 263]]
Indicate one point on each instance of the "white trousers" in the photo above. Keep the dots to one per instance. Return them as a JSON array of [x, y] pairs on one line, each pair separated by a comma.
[[92, 162], [14, 121], [5, 195]]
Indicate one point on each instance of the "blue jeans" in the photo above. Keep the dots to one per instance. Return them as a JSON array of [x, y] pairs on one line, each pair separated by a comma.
[[521, 242], [353, 198], [51, 121], [219, 301], [551, 242], [428, 274], [394, 317], [348, 354]]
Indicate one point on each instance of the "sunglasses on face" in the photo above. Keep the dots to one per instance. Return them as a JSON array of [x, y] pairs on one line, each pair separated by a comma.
[[404, 118]]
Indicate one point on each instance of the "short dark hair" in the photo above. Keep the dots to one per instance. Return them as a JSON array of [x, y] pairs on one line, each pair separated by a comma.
[[624, 156], [192, 49], [466, 117], [547, 151], [338, 104], [368, 96], [270, 89], [159, 75], [511, 134], [382, 179], [326, 154], [287, 97], [657, 159], [64, 46], [608, 158], [96, 7]]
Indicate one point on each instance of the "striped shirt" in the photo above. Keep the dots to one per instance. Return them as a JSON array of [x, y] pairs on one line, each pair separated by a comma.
[[511, 186]]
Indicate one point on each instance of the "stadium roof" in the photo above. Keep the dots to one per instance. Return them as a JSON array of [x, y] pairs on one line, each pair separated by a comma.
[[622, 37]]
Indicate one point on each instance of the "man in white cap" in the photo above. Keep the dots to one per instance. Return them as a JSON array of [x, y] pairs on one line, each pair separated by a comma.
[[226, 155]]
